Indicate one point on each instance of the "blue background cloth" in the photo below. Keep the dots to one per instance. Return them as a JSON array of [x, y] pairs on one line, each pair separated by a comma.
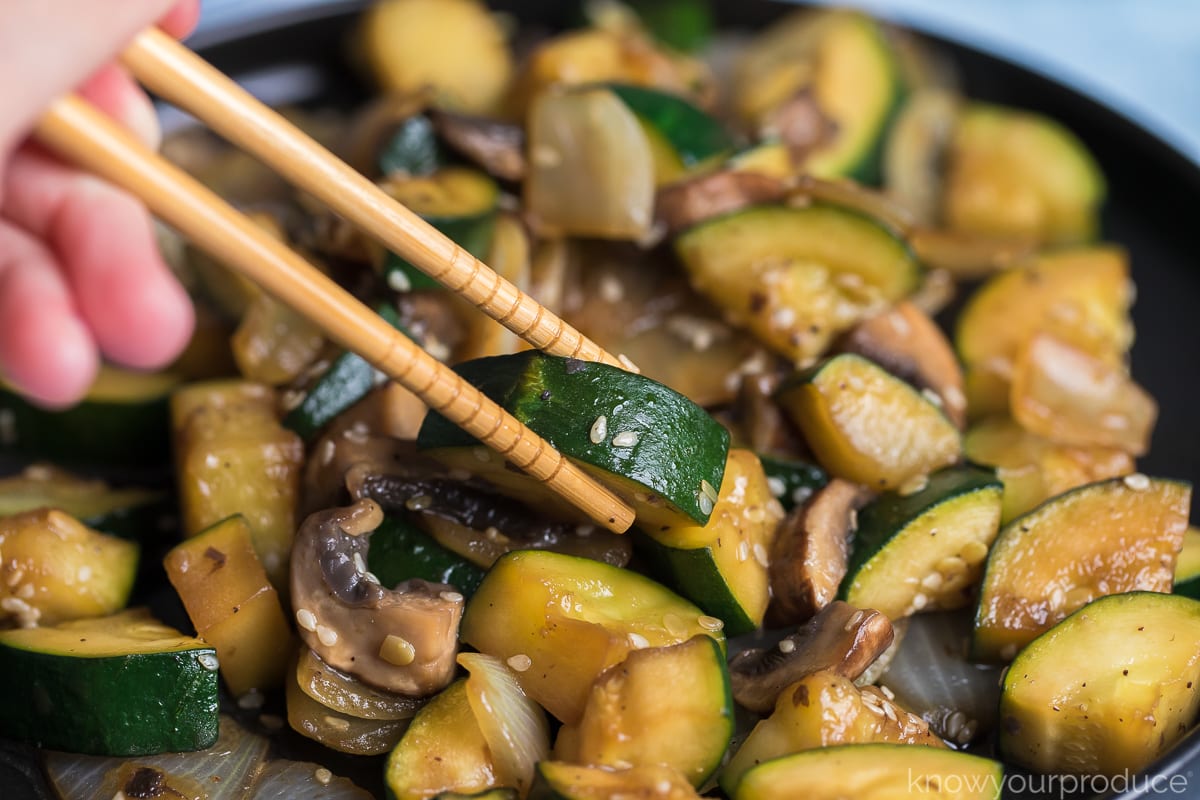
[[1141, 57]]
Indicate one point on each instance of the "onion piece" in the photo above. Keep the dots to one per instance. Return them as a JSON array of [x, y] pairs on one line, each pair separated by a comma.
[[931, 676], [848, 194], [591, 172], [341, 692], [225, 771], [968, 256], [514, 726], [282, 779], [338, 731], [915, 152]]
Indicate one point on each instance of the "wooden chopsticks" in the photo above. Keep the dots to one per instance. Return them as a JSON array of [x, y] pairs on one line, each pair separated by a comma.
[[82, 134], [181, 77]]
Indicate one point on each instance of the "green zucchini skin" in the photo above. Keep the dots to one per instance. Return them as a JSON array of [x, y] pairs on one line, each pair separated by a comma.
[[679, 446], [349, 378], [695, 574], [399, 551], [471, 233], [797, 479], [413, 149], [119, 705], [695, 136]]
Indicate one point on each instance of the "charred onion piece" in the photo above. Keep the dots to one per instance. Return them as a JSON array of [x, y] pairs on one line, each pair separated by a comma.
[[808, 558], [841, 638], [682, 205], [403, 640], [498, 147], [908, 344]]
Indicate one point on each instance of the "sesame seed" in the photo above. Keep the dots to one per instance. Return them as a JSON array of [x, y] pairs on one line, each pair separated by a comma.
[[306, 619], [209, 661], [705, 504], [451, 597], [611, 289], [709, 623], [954, 397], [337, 723], [291, 399], [360, 563], [708, 491], [638, 641], [920, 601], [663, 786], [397, 650], [1137, 481], [520, 662], [328, 451], [743, 551], [1114, 422], [754, 514], [599, 429], [15, 577], [776, 486], [322, 776], [888, 693], [251, 700], [801, 494], [327, 636], [626, 439], [397, 281], [932, 397], [585, 530], [25, 592], [418, 503], [889, 711], [874, 709], [913, 485], [932, 581], [760, 554], [355, 435], [787, 646]]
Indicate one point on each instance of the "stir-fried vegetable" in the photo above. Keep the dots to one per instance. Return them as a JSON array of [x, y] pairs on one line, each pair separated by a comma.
[[818, 464]]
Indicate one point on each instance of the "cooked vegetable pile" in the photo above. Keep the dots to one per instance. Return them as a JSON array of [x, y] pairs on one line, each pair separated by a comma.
[[850, 521]]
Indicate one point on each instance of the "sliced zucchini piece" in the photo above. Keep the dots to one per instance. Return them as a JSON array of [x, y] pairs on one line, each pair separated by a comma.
[[232, 605], [1119, 535], [337, 730], [844, 59], [924, 550], [412, 149], [233, 457], [557, 780], [662, 706], [123, 420], [1081, 295], [868, 426], [874, 772], [792, 482], [561, 620], [722, 566], [459, 202], [56, 569], [443, 750], [1187, 565], [1014, 173], [797, 277], [122, 685], [347, 380], [686, 25], [418, 45], [126, 512], [1033, 469], [823, 710], [400, 551], [1107, 690], [274, 344], [694, 140], [655, 447]]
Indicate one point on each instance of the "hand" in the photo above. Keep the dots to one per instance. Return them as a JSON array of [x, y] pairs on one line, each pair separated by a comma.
[[80, 274]]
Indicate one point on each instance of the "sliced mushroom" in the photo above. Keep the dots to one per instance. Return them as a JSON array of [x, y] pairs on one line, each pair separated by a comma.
[[808, 558], [403, 640], [841, 638], [498, 147], [910, 345], [681, 205], [763, 425], [800, 124]]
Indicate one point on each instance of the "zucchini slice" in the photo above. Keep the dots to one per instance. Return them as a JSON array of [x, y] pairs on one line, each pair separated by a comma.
[[868, 426], [400, 551], [823, 710], [443, 750], [557, 780], [651, 444], [722, 566], [126, 512], [797, 277], [844, 59], [1014, 173], [122, 685], [123, 421], [874, 772], [1107, 690], [689, 139], [924, 550], [1187, 565], [232, 605], [663, 706], [459, 202], [792, 482], [561, 620], [1119, 535], [57, 569]]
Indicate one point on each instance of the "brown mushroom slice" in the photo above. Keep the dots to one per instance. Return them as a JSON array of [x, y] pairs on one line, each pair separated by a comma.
[[403, 640], [910, 345], [762, 426], [498, 147], [681, 205], [800, 124], [810, 552], [841, 638]]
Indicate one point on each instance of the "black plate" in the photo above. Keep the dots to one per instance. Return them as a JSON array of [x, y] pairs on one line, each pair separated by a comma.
[[302, 58]]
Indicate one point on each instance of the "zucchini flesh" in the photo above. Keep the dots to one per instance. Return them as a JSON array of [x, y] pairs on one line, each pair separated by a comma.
[[652, 445], [566, 619], [1107, 690], [669, 706], [925, 550], [1115, 536], [721, 566], [874, 772], [796, 277], [98, 686], [127, 512], [557, 780], [868, 426]]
